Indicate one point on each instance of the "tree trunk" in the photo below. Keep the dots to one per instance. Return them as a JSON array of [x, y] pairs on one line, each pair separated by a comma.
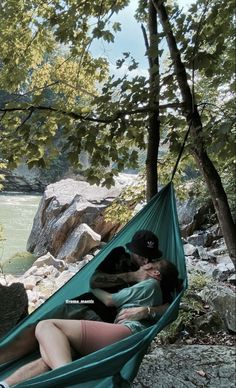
[[153, 122], [219, 200], [206, 166]]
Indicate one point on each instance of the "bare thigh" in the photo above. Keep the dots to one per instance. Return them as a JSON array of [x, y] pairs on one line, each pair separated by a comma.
[[70, 327], [88, 336], [97, 335]]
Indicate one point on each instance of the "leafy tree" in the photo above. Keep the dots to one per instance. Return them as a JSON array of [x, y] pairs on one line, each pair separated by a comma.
[[44, 81], [111, 118], [195, 123]]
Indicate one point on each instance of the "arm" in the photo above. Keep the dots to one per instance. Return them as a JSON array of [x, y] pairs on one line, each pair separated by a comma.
[[103, 296], [140, 313], [104, 280]]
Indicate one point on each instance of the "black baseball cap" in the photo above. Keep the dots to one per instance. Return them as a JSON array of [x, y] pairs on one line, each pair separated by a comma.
[[146, 244]]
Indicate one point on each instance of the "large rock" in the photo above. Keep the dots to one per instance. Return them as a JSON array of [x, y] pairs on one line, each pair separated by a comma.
[[191, 250], [62, 209], [211, 322], [188, 367], [82, 240], [192, 217], [223, 271], [200, 239], [223, 300], [13, 306], [48, 259]]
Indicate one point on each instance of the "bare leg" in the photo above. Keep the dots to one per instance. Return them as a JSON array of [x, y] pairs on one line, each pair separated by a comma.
[[55, 339], [22, 345], [58, 337], [27, 371], [26, 341]]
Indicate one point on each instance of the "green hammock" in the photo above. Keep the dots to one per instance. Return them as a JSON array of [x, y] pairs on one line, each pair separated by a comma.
[[115, 365]]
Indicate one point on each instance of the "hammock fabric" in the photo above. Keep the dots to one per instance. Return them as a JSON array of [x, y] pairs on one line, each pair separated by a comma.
[[115, 365]]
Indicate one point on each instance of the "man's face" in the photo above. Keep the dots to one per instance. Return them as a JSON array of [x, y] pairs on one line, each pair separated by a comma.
[[138, 260]]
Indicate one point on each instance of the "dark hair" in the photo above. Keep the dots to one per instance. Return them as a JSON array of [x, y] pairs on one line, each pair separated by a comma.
[[170, 281]]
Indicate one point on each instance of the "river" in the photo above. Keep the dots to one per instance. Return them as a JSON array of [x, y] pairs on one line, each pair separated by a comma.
[[17, 212]]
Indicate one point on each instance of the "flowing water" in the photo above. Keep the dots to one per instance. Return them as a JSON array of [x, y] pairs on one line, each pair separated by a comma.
[[17, 212]]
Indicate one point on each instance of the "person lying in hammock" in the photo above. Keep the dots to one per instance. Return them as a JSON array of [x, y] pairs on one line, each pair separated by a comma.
[[121, 268], [117, 270], [57, 337]]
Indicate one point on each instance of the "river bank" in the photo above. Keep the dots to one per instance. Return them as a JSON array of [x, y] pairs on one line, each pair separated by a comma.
[[17, 211]]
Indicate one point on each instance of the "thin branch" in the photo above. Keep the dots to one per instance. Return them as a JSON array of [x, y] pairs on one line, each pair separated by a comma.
[[30, 42], [4, 114], [20, 95], [77, 116], [25, 119], [146, 43], [75, 88]]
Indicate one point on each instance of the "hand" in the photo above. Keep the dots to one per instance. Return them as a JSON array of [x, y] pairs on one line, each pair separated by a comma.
[[131, 314], [141, 274]]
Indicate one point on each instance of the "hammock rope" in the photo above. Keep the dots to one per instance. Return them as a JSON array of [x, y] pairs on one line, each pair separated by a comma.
[[181, 151]]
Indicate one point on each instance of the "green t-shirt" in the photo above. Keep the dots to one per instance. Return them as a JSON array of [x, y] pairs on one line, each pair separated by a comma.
[[145, 293]]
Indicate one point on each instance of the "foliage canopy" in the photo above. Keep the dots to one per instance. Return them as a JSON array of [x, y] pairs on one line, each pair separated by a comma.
[[52, 87]]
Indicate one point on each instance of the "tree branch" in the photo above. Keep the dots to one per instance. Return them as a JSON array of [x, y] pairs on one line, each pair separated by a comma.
[[146, 43], [77, 116]]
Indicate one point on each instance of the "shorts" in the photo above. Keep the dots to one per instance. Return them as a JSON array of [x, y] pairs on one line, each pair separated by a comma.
[[97, 335]]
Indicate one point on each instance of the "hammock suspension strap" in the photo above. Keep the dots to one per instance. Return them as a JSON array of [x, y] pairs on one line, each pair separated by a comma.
[[181, 151]]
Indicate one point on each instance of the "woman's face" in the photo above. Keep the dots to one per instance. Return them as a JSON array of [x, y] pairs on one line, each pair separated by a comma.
[[153, 269]]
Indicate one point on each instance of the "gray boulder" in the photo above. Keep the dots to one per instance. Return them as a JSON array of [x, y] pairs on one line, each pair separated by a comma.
[[223, 300], [192, 217], [223, 271], [188, 367], [210, 322], [48, 259], [200, 238], [13, 306], [203, 253], [82, 240], [191, 250], [62, 209]]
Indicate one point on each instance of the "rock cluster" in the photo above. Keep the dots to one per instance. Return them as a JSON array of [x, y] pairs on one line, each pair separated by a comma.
[[206, 254], [45, 277], [49, 273]]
